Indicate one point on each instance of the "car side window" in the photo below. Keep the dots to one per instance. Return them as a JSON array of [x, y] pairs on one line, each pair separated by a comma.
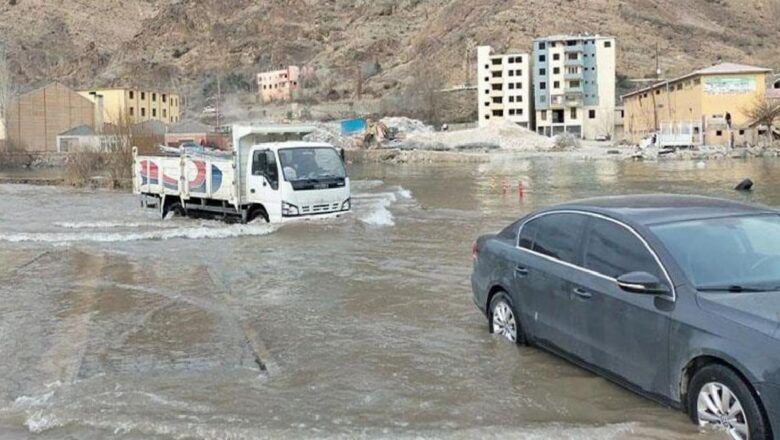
[[613, 250], [528, 234], [558, 235]]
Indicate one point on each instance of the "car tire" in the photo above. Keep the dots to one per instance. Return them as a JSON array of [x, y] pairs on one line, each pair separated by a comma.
[[741, 416], [504, 320]]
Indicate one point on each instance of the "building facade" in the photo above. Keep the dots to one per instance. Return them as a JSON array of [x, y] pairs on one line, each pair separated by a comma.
[[122, 105], [707, 106], [504, 87], [574, 85], [278, 85], [36, 118]]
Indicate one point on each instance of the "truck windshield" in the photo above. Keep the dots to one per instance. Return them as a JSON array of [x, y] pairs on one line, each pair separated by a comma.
[[313, 163], [737, 254]]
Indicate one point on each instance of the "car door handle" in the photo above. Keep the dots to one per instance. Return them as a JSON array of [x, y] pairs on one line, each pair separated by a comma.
[[521, 271], [582, 293]]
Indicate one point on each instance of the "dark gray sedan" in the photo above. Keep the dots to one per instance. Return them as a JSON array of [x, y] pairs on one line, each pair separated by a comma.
[[675, 297]]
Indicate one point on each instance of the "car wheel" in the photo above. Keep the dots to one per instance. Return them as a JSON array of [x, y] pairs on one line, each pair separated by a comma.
[[504, 319], [720, 399]]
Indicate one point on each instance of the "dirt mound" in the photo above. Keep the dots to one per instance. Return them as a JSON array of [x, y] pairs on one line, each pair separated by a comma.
[[504, 134]]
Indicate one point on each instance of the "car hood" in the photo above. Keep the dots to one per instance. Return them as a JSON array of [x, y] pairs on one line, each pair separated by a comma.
[[757, 310]]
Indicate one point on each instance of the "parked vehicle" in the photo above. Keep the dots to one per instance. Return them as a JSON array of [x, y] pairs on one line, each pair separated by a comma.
[[675, 297], [271, 174]]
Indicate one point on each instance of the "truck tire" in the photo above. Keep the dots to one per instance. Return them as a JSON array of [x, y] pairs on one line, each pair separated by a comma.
[[176, 208]]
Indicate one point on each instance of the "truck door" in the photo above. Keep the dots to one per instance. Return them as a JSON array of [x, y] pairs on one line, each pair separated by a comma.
[[263, 182]]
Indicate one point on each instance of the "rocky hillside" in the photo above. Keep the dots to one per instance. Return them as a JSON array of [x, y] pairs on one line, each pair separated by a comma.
[[182, 44]]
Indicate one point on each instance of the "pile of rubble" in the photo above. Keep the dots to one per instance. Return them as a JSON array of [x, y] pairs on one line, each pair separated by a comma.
[[504, 135]]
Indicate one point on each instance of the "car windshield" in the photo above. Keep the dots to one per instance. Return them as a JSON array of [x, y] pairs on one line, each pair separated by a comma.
[[734, 254], [311, 163]]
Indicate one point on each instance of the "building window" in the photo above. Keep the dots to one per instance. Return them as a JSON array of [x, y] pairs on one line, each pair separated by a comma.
[[487, 103], [519, 72], [165, 113], [496, 100], [143, 112], [607, 44], [542, 45], [519, 99], [543, 115], [573, 113], [487, 116], [556, 84], [498, 113], [658, 92], [542, 72], [518, 85], [591, 114], [132, 111], [572, 56], [132, 94], [556, 56], [154, 97], [520, 112], [519, 59], [556, 70], [543, 85], [487, 66], [154, 112], [164, 98], [496, 86], [542, 58], [571, 43], [511, 73], [511, 99], [496, 74], [719, 133], [575, 84], [143, 95], [496, 61], [511, 85], [741, 132], [511, 112]]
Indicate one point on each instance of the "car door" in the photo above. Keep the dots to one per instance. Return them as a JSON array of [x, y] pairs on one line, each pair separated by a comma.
[[263, 182], [550, 247], [621, 332]]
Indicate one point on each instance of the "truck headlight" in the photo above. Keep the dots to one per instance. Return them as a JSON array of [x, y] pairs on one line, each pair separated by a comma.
[[347, 205], [288, 209]]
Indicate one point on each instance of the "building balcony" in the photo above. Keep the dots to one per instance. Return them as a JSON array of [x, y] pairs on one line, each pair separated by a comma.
[[574, 90], [573, 76], [568, 62], [576, 48]]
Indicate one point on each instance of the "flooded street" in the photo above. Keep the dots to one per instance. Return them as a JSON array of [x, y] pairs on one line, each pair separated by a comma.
[[116, 324]]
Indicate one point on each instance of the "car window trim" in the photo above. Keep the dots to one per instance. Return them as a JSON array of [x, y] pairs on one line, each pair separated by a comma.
[[591, 271]]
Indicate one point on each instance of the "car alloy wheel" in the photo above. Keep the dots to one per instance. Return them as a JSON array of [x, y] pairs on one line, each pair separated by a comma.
[[717, 406], [504, 322]]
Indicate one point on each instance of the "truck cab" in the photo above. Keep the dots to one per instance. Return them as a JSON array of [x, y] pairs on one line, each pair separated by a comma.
[[295, 179]]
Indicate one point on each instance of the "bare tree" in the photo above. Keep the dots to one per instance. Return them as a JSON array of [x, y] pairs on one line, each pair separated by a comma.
[[765, 112]]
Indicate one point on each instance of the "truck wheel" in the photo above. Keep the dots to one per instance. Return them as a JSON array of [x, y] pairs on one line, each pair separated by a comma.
[[256, 212], [176, 209]]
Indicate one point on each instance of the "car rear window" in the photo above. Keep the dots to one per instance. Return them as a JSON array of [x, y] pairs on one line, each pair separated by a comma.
[[554, 235], [613, 250]]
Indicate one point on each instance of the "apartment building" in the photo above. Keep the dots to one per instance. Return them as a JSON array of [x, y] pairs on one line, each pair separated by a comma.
[[278, 85], [117, 105], [574, 85], [504, 87], [706, 106]]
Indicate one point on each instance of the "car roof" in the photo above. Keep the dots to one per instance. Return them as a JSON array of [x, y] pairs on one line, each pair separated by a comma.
[[648, 209]]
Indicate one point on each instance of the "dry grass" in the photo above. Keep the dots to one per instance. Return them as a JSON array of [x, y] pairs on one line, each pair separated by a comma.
[[81, 167]]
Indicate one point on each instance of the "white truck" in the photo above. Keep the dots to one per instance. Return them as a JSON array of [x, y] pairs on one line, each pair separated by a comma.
[[270, 174]]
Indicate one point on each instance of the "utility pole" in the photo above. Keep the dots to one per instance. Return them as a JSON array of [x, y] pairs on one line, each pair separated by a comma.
[[359, 88], [5, 91], [219, 100]]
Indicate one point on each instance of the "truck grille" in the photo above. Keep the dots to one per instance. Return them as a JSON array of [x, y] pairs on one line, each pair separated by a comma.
[[318, 209]]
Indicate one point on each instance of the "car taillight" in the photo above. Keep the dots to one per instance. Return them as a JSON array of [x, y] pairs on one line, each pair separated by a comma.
[[474, 251]]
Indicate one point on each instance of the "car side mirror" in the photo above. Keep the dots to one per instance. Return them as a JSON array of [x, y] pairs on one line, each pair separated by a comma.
[[643, 283]]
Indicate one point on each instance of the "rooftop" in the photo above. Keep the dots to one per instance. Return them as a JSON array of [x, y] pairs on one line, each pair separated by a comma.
[[81, 130], [717, 69], [662, 208], [189, 127], [564, 37]]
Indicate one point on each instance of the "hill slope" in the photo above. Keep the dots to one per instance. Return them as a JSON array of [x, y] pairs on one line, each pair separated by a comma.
[[178, 43]]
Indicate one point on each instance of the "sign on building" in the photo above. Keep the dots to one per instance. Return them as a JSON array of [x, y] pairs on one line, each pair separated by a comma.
[[729, 85]]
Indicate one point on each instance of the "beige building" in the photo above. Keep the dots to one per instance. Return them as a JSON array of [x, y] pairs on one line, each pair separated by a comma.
[[138, 105], [36, 118], [707, 106], [504, 87]]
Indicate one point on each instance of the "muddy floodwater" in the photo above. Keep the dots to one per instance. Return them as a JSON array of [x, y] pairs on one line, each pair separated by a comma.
[[115, 324]]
